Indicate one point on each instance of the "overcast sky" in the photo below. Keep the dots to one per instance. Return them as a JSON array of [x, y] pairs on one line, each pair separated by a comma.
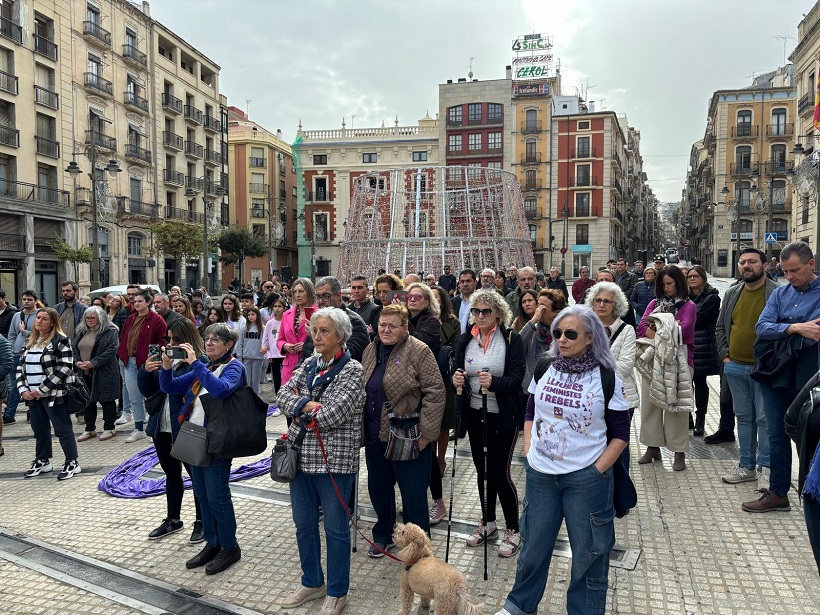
[[658, 61]]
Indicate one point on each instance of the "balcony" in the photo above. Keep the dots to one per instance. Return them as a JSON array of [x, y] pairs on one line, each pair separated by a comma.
[[12, 243], [531, 185], [172, 141], [11, 30], [616, 187], [9, 136], [224, 218], [195, 184], [137, 208], [45, 47], [171, 102], [805, 103], [48, 147], [531, 158], [45, 97], [193, 149], [95, 82], [193, 114], [20, 191], [175, 213], [584, 182], [174, 177], [745, 131], [212, 187], [212, 124], [131, 99], [96, 34], [8, 83], [320, 196], [780, 130], [530, 212], [455, 123], [531, 126], [740, 169], [256, 188], [213, 157], [777, 167], [136, 152], [100, 140], [132, 54], [584, 152], [257, 162]]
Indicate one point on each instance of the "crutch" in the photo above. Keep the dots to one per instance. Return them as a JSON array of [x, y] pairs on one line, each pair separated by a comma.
[[485, 506], [459, 418]]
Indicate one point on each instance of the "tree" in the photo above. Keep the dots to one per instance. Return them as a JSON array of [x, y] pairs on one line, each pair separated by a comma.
[[237, 244], [179, 240], [65, 252]]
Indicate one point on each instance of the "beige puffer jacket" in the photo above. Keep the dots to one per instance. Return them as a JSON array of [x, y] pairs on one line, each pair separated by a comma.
[[663, 362]]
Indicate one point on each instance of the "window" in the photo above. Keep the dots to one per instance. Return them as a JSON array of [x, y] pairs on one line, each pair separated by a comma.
[[474, 141], [743, 158], [529, 179], [474, 113], [779, 194], [531, 122], [320, 227], [47, 183], [495, 164], [778, 122], [778, 158], [258, 230], [258, 208], [494, 141], [92, 15], [46, 127], [319, 158], [374, 183], [320, 188], [134, 245], [102, 236], [494, 113], [131, 38], [419, 156], [743, 195], [582, 234], [583, 147], [94, 65], [582, 176], [474, 170], [282, 191], [454, 143], [744, 123], [583, 125], [582, 205], [530, 206], [530, 149], [454, 116], [533, 232], [369, 158]]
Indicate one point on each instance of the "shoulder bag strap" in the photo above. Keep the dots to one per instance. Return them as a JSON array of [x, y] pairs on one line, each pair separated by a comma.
[[617, 333]]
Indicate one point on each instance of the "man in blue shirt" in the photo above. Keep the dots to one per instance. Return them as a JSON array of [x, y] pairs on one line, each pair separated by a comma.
[[792, 309]]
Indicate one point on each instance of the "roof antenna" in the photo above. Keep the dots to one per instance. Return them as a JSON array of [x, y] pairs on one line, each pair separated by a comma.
[[784, 39], [248, 102], [470, 74]]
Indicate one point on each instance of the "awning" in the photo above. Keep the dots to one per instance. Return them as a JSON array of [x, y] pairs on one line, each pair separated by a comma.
[[100, 113], [138, 129]]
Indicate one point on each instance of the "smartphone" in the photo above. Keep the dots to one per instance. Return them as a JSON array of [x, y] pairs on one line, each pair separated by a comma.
[[154, 352], [175, 352], [401, 295], [308, 313]]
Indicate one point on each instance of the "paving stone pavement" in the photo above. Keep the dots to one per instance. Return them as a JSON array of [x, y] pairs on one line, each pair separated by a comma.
[[699, 552]]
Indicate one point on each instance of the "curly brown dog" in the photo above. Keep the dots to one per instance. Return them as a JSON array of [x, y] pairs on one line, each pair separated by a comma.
[[430, 578]]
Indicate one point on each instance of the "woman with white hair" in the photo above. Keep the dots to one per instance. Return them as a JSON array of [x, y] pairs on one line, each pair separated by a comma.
[[569, 461], [95, 345]]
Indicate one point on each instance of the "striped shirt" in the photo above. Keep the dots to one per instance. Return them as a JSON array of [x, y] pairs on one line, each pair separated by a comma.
[[35, 375]]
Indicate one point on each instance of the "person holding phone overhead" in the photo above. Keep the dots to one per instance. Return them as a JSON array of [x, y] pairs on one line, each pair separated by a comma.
[[293, 332]]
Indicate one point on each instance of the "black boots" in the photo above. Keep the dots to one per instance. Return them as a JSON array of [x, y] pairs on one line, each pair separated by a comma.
[[700, 421]]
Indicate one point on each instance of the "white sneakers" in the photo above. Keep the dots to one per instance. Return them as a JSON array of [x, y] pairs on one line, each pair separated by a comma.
[[136, 435], [739, 474], [87, 435], [125, 418]]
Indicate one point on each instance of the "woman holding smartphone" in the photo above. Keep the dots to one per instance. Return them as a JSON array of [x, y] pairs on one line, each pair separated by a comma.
[[293, 332]]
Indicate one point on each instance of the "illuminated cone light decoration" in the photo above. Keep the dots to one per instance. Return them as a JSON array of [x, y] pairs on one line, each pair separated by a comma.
[[421, 219]]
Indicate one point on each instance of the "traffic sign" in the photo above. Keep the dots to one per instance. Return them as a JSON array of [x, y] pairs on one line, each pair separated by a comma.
[[771, 238], [563, 250]]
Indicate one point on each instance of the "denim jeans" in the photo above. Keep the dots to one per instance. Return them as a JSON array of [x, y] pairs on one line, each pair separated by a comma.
[[413, 478], [309, 492], [134, 395], [775, 403], [42, 418], [753, 439], [727, 410], [583, 500], [214, 495], [14, 395], [126, 401]]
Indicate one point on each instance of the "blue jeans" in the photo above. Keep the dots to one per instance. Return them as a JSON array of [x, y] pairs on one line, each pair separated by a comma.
[[413, 478], [14, 395], [309, 492], [747, 400], [582, 499], [214, 496], [134, 395], [126, 401], [775, 404]]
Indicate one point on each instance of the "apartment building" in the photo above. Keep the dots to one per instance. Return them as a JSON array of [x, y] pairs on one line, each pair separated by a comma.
[[328, 162], [263, 194]]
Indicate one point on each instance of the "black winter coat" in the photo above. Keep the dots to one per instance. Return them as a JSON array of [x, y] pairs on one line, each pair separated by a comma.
[[708, 308], [427, 328], [105, 377]]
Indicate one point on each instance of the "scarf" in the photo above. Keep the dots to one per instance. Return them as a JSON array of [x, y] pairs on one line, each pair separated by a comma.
[[296, 323], [543, 339], [191, 394], [322, 366], [580, 365], [812, 485], [669, 305]]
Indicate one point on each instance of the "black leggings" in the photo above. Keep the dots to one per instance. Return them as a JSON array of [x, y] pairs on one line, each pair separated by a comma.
[[173, 476], [276, 372], [500, 445], [701, 393]]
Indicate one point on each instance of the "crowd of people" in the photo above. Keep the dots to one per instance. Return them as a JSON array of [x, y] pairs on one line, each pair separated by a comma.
[[405, 364]]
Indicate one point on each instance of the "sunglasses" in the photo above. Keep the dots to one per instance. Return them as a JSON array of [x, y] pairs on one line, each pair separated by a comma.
[[485, 312], [571, 335]]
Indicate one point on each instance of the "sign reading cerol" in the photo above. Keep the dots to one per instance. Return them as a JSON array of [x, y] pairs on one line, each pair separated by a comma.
[[538, 70], [532, 42]]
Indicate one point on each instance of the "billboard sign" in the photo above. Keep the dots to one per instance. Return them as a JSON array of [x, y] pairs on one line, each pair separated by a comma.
[[531, 70], [531, 89], [532, 42]]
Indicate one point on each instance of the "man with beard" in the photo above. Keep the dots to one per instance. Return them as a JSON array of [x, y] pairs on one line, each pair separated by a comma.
[[526, 281], [735, 333]]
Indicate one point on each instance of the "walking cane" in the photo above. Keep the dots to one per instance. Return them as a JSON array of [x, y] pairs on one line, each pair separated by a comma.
[[355, 511], [459, 418], [485, 507]]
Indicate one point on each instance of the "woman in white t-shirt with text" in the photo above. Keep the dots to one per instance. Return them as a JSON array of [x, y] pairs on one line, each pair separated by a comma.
[[568, 467]]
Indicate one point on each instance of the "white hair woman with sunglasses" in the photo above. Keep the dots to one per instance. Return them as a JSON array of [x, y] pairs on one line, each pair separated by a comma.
[[568, 466], [492, 357]]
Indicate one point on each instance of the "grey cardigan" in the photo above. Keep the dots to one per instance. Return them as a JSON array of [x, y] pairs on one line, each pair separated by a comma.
[[724, 322]]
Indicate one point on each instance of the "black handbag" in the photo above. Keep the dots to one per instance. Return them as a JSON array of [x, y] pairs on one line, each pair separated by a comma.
[[155, 403], [284, 460], [624, 494], [236, 424], [774, 357], [191, 445], [78, 395]]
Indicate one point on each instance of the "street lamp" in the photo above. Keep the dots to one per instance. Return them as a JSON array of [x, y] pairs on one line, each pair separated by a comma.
[[733, 217], [190, 194], [565, 214], [805, 178], [74, 170]]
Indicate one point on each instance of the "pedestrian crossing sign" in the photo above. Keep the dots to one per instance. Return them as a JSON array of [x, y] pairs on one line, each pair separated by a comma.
[[771, 238]]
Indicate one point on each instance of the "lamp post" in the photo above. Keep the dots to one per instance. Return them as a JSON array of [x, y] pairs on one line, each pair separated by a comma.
[[74, 170], [805, 178], [565, 214], [190, 194], [763, 203], [733, 217]]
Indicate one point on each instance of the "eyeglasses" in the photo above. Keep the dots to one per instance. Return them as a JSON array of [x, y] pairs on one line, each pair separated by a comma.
[[751, 261], [485, 312], [571, 335], [214, 340], [415, 297], [599, 301], [388, 326], [325, 296], [692, 277]]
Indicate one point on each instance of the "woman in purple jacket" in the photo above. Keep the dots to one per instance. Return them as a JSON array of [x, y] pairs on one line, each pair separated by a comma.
[[660, 427]]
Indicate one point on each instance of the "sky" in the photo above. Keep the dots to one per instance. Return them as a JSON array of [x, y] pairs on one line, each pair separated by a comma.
[[368, 61]]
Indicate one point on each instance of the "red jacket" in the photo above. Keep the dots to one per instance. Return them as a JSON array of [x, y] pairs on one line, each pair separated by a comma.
[[152, 332], [580, 287]]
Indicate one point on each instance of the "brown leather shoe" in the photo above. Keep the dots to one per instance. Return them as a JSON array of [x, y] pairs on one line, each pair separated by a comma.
[[767, 502], [653, 453]]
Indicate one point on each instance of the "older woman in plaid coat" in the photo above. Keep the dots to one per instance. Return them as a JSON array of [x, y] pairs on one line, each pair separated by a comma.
[[327, 395]]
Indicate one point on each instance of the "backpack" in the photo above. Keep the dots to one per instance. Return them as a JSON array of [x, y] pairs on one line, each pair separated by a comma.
[[444, 359]]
